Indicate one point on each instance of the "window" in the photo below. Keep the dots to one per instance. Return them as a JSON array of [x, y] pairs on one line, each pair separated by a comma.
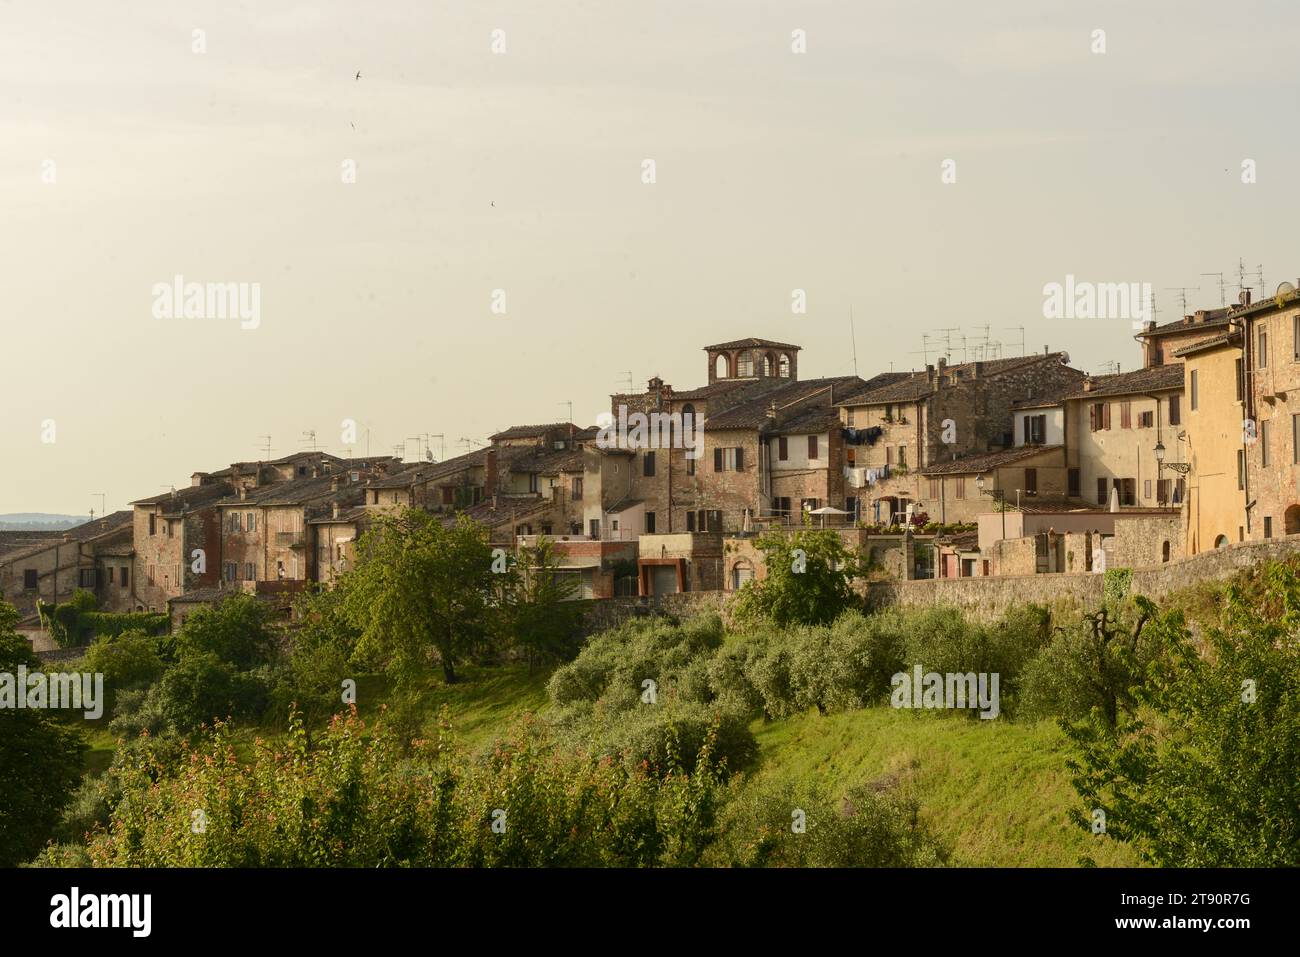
[[1035, 429], [594, 527], [1127, 489], [153, 524], [1126, 414], [1262, 355], [577, 487], [110, 574], [690, 464], [126, 576], [781, 506], [1263, 443], [1295, 336], [1268, 526], [649, 523], [746, 365], [902, 456], [1192, 377], [808, 504], [690, 521], [1099, 416], [1295, 440], [1241, 468], [1101, 491], [889, 455], [250, 574], [1146, 420], [1073, 484], [532, 484], [86, 578], [648, 465], [29, 578], [1175, 410], [1162, 491], [1241, 380], [782, 449], [813, 453], [959, 487], [250, 521], [1031, 481], [1146, 489], [848, 418], [232, 571], [729, 460], [934, 488]]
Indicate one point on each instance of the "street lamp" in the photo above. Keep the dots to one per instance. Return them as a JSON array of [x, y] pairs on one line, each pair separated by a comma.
[[998, 497]]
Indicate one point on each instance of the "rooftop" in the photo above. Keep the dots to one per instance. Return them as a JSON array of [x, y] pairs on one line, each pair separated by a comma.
[[753, 343], [987, 461], [1139, 381]]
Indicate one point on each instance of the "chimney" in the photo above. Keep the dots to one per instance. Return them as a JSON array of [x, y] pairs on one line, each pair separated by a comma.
[[490, 472], [1087, 383], [977, 369], [336, 510], [1245, 297], [336, 483]]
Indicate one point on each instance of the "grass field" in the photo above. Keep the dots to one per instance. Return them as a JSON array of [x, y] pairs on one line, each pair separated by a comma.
[[994, 791]]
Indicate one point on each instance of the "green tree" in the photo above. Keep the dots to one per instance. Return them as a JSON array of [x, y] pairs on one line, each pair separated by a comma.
[[422, 591], [40, 758], [808, 579], [1204, 774], [538, 611], [238, 630]]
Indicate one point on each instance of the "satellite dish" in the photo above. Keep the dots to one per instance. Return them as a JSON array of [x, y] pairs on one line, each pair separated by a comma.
[[1285, 289]]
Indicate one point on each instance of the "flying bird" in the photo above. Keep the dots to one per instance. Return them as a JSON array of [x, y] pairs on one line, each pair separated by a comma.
[[494, 202], [358, 74]]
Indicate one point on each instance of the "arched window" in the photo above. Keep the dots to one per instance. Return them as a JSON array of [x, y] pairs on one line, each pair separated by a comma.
[[746, 366], [785, 366], [769, 364], [720, 367], [688, 418], [1221, 541]]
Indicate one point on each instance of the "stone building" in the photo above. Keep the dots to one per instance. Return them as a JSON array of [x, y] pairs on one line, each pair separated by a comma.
[[1160, 343], [78, 558], [177, 542], [897, 432]]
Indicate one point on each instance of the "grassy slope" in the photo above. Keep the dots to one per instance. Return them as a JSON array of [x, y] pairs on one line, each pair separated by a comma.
[[994, 791]]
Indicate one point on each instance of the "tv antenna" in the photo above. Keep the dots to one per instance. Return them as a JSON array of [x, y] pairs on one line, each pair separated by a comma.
[[1223, 295], [265, 446], [1182, 294], [1021, 329], [853, 336], [309, 435], [103, 508], [442, 444], [569, 403], [419, 448], [629, 382]]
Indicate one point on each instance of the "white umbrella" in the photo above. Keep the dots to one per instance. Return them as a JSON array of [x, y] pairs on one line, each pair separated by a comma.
[[827, 510], [1114, 499]]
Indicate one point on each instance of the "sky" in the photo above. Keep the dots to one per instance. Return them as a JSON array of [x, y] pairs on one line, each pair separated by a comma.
[[498, 252]]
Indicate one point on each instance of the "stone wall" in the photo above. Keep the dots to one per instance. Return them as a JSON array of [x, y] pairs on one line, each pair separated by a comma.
[[611, 612]]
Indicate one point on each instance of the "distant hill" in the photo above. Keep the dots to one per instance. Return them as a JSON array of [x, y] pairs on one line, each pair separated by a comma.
[[39, 522]]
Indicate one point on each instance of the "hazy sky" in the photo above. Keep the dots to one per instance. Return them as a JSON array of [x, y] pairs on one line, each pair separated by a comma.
[[774, 170]]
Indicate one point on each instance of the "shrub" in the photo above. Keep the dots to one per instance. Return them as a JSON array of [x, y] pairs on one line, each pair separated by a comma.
[[237, 630], [867, 828], [127, 662]]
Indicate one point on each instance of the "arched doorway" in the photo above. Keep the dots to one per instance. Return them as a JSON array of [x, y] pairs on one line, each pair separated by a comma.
[[1292, 519], [1221, 541], [741, 572]]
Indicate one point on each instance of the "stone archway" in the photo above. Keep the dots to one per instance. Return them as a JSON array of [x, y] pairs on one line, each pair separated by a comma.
[[1292, 520]]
